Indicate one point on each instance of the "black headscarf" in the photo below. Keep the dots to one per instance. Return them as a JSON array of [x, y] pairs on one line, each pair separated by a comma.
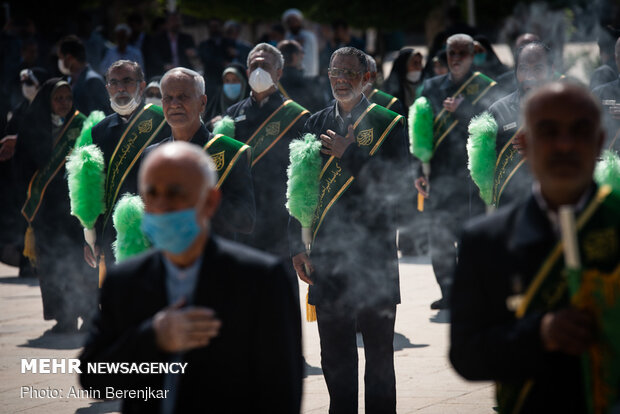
[[219, 103], [397, 84], [35, 141]]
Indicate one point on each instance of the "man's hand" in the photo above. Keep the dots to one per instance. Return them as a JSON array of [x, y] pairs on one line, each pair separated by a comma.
[[180, 329], [451, 104], [518, 143], [91, 258], [569, 330], [421, 184], [334, 144], [7, 147], [300, 263]]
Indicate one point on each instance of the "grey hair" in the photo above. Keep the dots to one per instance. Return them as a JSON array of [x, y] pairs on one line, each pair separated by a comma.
[[135, 67], [351, 51], [371, 63], [193, 152], [199, 81], [266, 47], [461, 38]]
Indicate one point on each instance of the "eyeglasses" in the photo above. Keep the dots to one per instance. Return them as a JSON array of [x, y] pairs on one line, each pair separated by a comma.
[[113, 83], [346, 73]]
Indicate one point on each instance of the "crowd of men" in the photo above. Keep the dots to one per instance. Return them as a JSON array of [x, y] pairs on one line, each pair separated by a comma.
[[219, 288]]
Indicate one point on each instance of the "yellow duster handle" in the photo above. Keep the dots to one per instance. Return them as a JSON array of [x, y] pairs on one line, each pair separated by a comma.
[[102, 269], [30, 246]]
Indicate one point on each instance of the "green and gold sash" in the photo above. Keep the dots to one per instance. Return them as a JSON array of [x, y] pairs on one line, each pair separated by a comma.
[[370, 129], [598, 243], [62, 146], [140, 132], [381, 98], [225, 152], [473, 89], [273, 128], [506, 166]]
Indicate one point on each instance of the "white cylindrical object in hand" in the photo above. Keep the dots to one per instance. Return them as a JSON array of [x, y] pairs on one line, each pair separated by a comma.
[[306, 237], [568, 229], [90, 235]]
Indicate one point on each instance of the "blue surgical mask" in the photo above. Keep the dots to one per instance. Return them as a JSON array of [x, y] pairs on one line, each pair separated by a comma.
[[480, 58], [232, 90], [172, 232]]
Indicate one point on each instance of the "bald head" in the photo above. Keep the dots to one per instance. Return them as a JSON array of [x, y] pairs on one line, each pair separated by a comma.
[[563, 138], [526, 38], [562, 95], [181, 154]]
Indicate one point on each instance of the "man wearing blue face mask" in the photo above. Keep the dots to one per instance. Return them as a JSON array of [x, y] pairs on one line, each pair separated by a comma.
[[195, 300], [267, 122]]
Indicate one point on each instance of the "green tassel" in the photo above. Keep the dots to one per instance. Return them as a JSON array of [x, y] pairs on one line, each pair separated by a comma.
[[303, 172], [481, 153], [421, 129], [86, 137], [608, 170], [86, 181], [225, 126], [127, 219]]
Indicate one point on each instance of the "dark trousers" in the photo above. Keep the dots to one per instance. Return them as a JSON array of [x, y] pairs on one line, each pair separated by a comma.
[[443, 235], [337, 330]]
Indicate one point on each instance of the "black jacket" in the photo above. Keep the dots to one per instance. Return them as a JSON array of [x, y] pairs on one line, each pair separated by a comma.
[[269, 173], [89, 93], [354, 253], [106, 135], [237, 210], [451, 186], [253, 365], [499, 256], [507, 114], [609, 95]]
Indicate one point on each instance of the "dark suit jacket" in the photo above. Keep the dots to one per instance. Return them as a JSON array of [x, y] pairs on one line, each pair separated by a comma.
[[609, 95], [161, 52], [253, 365], [452, 189], [237, 210], [89, 93], [269, 174], [354, 254], [106, 135], [507, 114], [499, 256]]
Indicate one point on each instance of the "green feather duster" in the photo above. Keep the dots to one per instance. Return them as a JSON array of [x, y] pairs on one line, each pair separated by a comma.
[[225, 126], [85, 171], [608, 170], [86, 137], [481, 152], [127, 219], [421, 129], [303, 172]]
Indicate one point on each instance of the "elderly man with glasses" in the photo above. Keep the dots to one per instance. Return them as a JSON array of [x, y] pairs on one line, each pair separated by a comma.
[[122, 137], [353, 270]]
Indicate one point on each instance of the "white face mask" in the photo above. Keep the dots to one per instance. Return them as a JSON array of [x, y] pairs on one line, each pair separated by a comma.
[[57, 120], [153, 100], [62, 68], [29, 92], [128, 108], [260, 80], [414, 76]]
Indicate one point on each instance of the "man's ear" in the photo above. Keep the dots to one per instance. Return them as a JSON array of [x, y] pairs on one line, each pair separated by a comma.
[[214, 196], [365, 78], [142, 86]]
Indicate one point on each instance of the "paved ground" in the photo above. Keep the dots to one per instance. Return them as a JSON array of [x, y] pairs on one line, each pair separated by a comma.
[[425, 381]]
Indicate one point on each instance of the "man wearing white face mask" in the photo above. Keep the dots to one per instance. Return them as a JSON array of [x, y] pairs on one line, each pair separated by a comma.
[[87, 85], [267, 122], [225, 312], [122, 137]]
